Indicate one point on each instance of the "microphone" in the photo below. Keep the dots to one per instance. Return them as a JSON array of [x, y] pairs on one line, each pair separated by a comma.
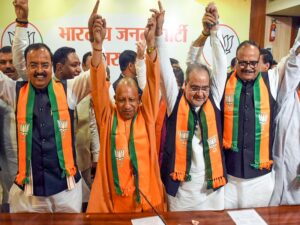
[[144, 196]]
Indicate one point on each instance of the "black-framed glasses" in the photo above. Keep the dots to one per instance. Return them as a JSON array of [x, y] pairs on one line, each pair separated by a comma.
[[244, 64]]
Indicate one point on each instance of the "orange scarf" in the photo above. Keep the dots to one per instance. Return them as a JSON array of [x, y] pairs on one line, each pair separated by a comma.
[[62, 126], [211, 145], [130, 158], [262, 119], [159, 123]]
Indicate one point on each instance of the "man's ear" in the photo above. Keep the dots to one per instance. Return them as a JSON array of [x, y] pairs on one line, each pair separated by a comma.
[[268, 65], [129, 66], [83, 66], [58, 68]]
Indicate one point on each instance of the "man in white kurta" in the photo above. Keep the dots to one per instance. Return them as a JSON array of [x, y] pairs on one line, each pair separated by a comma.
[[286, 149], [194, 195]]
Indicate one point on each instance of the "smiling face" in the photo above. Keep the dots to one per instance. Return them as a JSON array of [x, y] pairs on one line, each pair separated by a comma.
[[247, 62], [127, 98], [39, 67], [197, 87], [71, 68], [6, 65]]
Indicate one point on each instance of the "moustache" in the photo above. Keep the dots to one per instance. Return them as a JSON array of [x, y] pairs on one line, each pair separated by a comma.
[[40, 74], [248, 71], [9, 70]]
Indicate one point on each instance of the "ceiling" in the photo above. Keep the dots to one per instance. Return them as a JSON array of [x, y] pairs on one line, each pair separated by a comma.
[[283, 8], [292, 11]]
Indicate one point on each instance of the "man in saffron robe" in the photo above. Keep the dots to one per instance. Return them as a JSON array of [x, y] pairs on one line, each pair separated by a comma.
[[127, 171]]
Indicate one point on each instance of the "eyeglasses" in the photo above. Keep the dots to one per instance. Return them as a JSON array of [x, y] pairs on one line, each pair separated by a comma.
[[244, 64], [197, 89]]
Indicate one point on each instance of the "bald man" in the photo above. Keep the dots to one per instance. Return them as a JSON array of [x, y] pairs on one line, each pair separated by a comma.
[[128, 168]]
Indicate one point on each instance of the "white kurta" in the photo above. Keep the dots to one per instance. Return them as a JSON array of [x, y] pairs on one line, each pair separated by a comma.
[[257, 192], [8, 149], [286, 150], [194, 195]]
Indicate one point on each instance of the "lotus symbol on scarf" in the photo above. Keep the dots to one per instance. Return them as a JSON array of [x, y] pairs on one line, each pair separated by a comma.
[[229, 99], [263, 118], [24, 128], [120, 154], [212, 143], [63, 126], [184, 135]]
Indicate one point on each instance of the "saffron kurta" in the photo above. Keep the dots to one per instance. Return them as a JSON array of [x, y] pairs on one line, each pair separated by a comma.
[[104, 198]]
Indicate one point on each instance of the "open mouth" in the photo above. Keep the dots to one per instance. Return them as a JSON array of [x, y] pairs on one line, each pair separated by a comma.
[[9, 73], [40, 76]]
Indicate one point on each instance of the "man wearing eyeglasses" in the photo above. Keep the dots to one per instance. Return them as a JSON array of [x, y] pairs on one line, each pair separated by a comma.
[[192, 168], [248, 109]]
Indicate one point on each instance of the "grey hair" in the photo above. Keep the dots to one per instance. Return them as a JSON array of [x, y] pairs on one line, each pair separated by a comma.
[[198, 67]]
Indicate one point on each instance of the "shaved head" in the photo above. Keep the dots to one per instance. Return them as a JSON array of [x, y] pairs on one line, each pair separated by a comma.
[[127, 81], [127, 98]]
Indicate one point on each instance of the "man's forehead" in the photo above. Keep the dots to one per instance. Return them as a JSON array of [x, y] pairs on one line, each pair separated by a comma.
[[5, 55], [126, 87], [38, 52], [73, 56], [197, 75], [248, 49]]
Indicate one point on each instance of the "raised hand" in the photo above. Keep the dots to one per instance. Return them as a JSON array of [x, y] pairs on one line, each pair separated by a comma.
[[98, 35], [140, 49], [99, 30], [210, 18], [160, 18], [92, 18], [150, 31], [211, 8], [21, 9]]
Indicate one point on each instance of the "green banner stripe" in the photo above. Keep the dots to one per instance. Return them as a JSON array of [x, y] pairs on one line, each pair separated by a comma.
[[208, 168], [133, 159], [113, 155], [236, 108], [257, 109], [55, 115], [191, 127], [29, 116]]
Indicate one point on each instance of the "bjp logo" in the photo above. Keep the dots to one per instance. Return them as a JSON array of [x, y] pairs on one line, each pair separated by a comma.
[[229, 40], [33, 35]]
